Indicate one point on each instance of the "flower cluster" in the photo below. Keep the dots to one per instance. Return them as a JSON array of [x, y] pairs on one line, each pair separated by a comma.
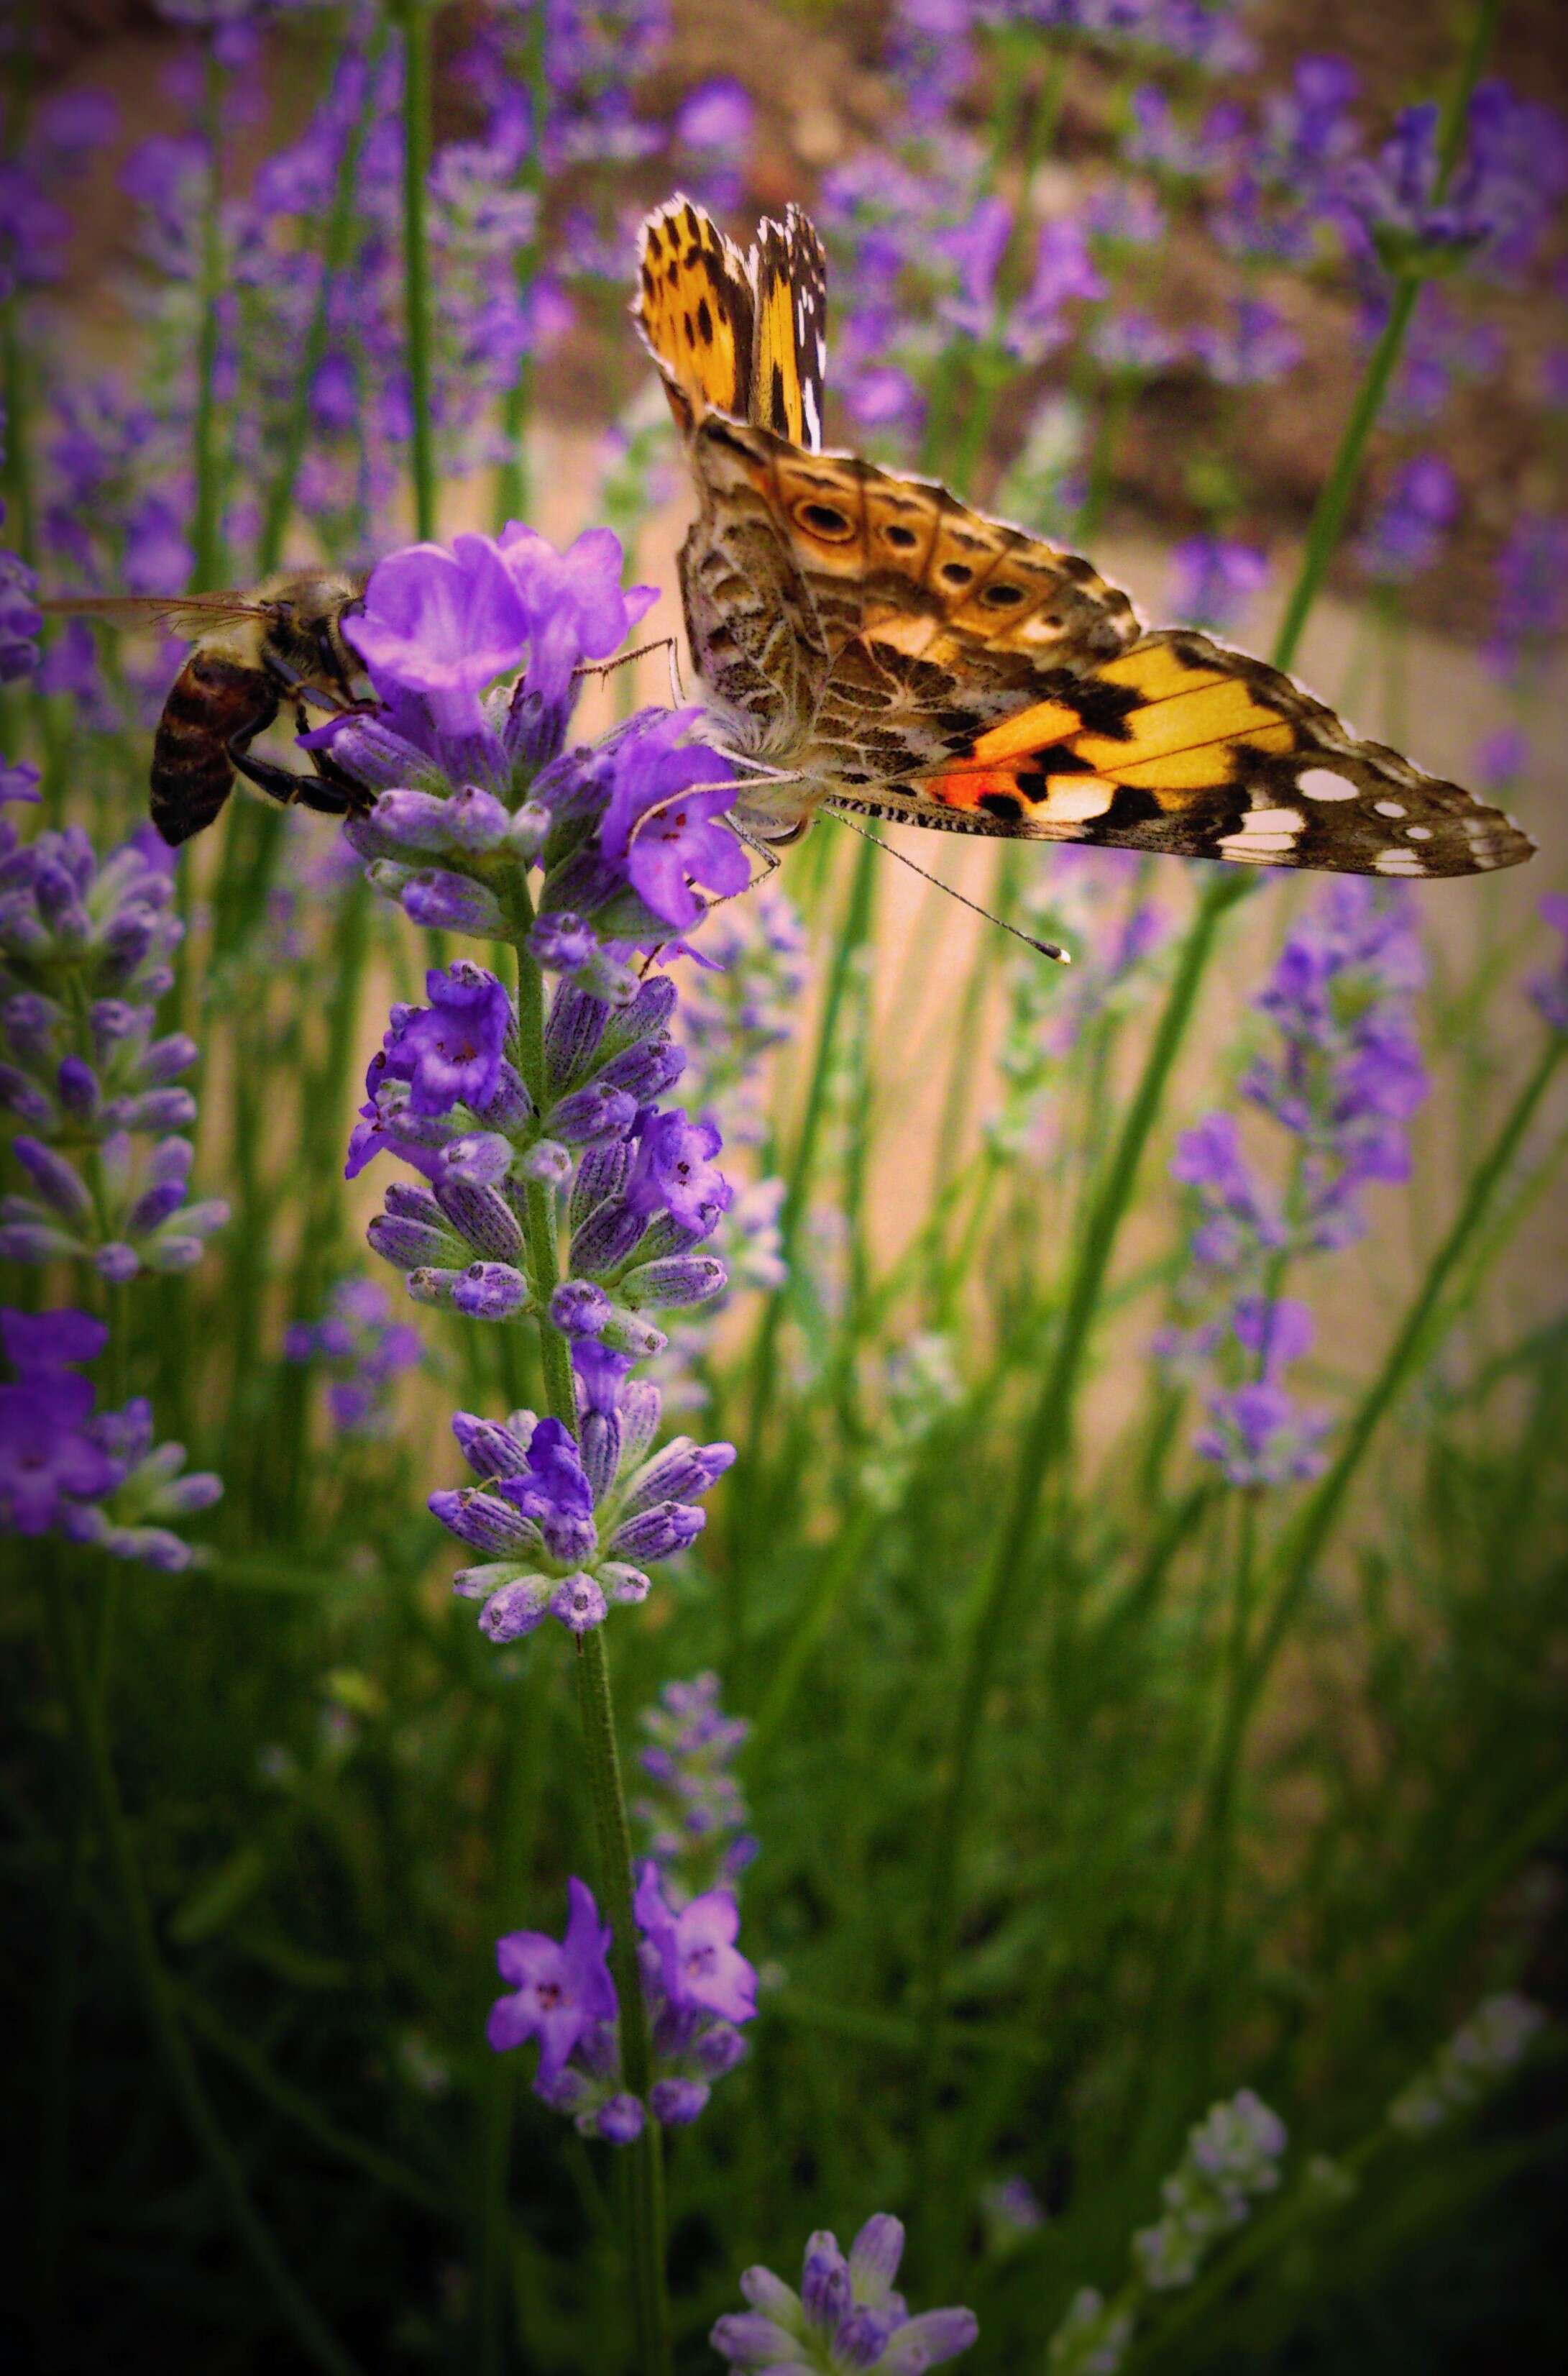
[[846, 2316], [1232, 2158], [1343, 1080], [698, 1989], [567, 1523], [94, 1477], [362, 1350], [692, 1808], [1470, 2066], [85, 953]]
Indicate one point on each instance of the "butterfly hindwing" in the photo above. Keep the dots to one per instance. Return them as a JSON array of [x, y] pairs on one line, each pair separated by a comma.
[[1183, 747]]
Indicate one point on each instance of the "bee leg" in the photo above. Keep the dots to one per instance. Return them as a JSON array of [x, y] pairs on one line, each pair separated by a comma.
[[292, 790]]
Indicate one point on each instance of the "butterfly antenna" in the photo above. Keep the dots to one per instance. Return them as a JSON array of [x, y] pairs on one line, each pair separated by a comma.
[[1044, 948]]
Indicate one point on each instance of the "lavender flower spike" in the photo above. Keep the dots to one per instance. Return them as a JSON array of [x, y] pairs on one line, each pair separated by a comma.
[[845, 2316]]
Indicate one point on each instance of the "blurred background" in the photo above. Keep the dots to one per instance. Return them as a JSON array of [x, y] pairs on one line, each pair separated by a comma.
[[1120, 275]]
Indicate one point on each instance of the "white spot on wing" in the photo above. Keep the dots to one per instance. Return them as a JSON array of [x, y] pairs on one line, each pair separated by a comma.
[[1398, 862], [1323, 784], [1273, 822], [1389, 808], [1073, 800], [1417, 833]]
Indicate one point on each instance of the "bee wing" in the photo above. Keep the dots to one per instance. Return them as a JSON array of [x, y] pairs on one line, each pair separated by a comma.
[[178, 614]]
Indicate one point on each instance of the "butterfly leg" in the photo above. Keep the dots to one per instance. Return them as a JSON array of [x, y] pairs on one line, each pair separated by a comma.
[[625, 659]]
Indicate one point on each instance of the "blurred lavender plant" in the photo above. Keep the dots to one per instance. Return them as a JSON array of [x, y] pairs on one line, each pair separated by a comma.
[[363, 1350], [693, 1810], [92, 1478], [1470, 2066], [85, 952], [846, 2315], [1344, 1082]]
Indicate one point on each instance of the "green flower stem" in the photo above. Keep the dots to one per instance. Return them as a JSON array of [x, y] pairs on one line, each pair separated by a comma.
[[335, 248], [414, 16], [646, 2153], [512, 478], [153, 1984], [820, 1606], [207, 532], [1305, 1542]]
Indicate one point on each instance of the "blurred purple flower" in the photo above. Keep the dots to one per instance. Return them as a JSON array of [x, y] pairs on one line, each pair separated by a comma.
[[1549, 989], [1406, 532], [1214, 580]]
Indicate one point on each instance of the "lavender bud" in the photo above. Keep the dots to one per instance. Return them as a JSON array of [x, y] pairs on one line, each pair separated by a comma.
[[606, 1239], [151, 1211], [427, 1285], [681, 1471], [23, 1097], [490, 1290], [483, 1217], [509, 1107], [400, 819], [188, 1495], [579, 1308], [602, 1173], [624, 1584], [516, 1610], [167, 1058], [549, 1162], [126, 946], [720, 2049], [155, 1110], [484, 1523], [684, 1279], [409, 1245], [452, 903], [648, 1012], [528, 831], [579, 1604], [624, 1333], [33, 1242], [595, 1112], [659, 1533], [477, 1161], [203, 1218], [646, 1070], [407, 1200], [598, 1448], [77, 1086], [30, 1023], [489, 1449], [620, 2122], [675, 2102], [479, 1582], [53, 1178], [171, 1159], [573, 1033], [168, 1255], [605, 977]]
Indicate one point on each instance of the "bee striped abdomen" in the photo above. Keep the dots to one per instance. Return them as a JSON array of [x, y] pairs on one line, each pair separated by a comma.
[[213, 704]]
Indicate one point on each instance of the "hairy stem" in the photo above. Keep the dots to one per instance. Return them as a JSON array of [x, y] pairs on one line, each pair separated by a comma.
[[415, 18]]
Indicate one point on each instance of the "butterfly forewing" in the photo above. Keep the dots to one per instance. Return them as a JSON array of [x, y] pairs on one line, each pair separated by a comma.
[[1182, 747]]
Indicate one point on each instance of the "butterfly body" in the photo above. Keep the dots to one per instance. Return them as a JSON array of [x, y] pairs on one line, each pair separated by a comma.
[[877, 647]]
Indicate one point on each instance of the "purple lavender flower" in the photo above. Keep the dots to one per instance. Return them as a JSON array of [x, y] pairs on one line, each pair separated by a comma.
[[845, 2316], [1251, 349], [1532, 593], [1214, 580], [697, 1986], [1407, 534], [1549, 989], [560, 1991]]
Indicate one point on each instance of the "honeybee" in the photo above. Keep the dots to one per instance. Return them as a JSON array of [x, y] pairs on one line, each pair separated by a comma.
[[250, 653]]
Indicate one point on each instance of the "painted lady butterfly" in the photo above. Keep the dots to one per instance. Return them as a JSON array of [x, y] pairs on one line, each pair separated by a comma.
[[877, 648]]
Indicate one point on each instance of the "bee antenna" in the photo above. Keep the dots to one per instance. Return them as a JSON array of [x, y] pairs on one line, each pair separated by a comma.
[[1042, 948]]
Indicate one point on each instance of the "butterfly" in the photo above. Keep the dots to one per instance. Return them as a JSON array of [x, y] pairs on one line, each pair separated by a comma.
[[871, 645]]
